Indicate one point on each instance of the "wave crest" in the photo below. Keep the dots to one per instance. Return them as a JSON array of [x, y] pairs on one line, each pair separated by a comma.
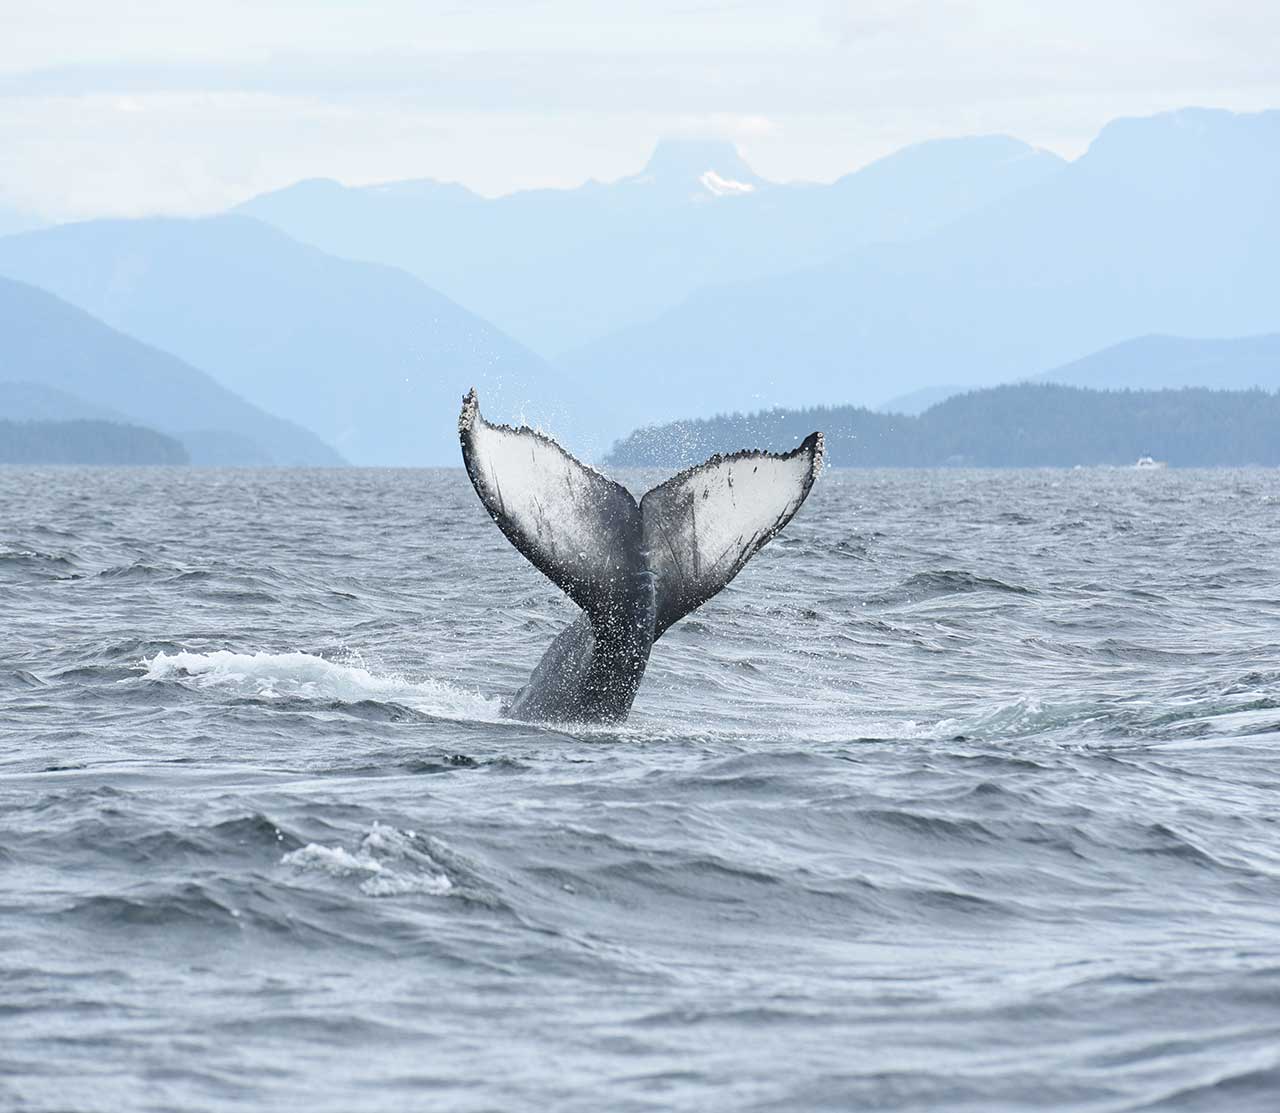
[[390, 861], [306, 676]]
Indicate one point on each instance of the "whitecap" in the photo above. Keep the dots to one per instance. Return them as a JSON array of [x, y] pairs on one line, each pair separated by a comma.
[[306, 676], [389, 862]]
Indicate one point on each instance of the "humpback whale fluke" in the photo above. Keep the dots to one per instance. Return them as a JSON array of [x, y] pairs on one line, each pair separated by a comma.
[[633, 569]]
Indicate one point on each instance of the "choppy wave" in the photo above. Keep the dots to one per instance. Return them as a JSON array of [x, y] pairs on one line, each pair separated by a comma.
[[36, 564], [962, 796], [387, 862]]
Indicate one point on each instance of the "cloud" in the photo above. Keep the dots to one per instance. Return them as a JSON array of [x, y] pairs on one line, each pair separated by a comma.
[[757, 84], [188, 107], [872, 21]]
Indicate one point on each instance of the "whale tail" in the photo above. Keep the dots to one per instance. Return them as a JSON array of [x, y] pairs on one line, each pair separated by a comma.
[[691, 535]]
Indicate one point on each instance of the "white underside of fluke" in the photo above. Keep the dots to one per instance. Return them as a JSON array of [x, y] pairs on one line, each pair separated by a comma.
[[689, 536]]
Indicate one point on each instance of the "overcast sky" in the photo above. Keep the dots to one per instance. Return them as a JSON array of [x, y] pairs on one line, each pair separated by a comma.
[[135, 106]]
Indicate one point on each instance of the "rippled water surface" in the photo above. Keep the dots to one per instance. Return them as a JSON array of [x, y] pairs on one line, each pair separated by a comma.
[[962, 796]]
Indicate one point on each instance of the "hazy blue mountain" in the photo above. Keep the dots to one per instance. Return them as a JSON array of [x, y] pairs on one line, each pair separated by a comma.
[[17, 220], [86, 442], [1020, 425], [1166, 224], [27, 401], [1174, 361], [679, 172], [917, 401], [56, 361], [369, 357], [220, 449], [557, 268], [1144, 363], [36, 402]]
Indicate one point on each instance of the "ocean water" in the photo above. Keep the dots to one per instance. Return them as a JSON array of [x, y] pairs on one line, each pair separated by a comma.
[[963, 796]]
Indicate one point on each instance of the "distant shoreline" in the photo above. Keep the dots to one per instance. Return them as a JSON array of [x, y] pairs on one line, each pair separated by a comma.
[[87, 442], [1028, 425]]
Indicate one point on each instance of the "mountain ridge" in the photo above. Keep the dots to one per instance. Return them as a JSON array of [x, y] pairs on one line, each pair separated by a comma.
[[1107, 249], [368, 356], [557, 267], [1012, 425], [1163, 360], [84, 441], [46, 341], [1152, 362]]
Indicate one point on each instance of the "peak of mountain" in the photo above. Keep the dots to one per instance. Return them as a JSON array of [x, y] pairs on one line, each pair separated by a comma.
[[700, 166], [1183, 134], [915, 402], [1190, 151], [965, 156]]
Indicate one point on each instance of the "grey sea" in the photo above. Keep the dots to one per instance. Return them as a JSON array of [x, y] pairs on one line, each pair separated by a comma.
[[963, 796]]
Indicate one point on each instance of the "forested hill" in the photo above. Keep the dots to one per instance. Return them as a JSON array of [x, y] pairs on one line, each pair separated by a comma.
[[86, 442], [1025, 425]]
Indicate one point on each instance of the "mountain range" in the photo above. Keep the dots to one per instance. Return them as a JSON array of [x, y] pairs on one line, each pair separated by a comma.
[[1017, 425], [57, 363], [1153, 362], [366, 356], [558, 268], [1169, 224], [86, 441], [707, 288], [1146, 363]]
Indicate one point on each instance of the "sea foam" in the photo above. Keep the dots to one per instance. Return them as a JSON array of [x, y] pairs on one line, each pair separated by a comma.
[[389, 862], [306, 676]]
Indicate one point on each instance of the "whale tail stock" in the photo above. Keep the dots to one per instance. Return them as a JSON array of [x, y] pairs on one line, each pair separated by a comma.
[[687, 537]]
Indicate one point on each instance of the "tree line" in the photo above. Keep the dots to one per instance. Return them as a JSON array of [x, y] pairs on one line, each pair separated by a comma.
[[1021, 425], [86, 442]]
